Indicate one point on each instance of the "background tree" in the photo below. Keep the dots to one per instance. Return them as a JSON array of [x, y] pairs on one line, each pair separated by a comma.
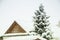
[[58, 24], [41, 23]]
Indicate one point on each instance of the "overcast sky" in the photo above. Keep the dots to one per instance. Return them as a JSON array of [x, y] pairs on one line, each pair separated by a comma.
[[23, 10]]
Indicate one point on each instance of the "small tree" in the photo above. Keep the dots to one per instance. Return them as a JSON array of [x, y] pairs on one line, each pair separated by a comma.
[[58, 24], [41, 23]]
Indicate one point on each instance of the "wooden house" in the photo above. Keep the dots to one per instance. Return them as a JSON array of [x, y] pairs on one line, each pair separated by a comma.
[[16, 32]]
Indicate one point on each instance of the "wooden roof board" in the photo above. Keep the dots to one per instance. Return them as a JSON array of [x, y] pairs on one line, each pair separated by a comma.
[[15, 28]]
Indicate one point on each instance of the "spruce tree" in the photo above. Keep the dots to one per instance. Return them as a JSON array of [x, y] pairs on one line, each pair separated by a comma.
[[41, 23]]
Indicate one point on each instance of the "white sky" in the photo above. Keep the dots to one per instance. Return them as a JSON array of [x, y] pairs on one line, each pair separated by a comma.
[[23, 10]]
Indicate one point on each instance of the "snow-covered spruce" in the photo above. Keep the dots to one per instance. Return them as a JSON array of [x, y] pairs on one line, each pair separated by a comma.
[[41, 23]]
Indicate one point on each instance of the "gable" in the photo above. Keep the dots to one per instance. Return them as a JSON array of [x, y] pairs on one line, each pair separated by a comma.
[[15, 28]]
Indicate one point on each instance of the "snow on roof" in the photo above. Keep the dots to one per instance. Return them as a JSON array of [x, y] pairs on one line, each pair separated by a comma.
[[15, 34]]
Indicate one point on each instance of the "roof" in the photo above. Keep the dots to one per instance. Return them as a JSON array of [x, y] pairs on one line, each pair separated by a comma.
[[15, 28]]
